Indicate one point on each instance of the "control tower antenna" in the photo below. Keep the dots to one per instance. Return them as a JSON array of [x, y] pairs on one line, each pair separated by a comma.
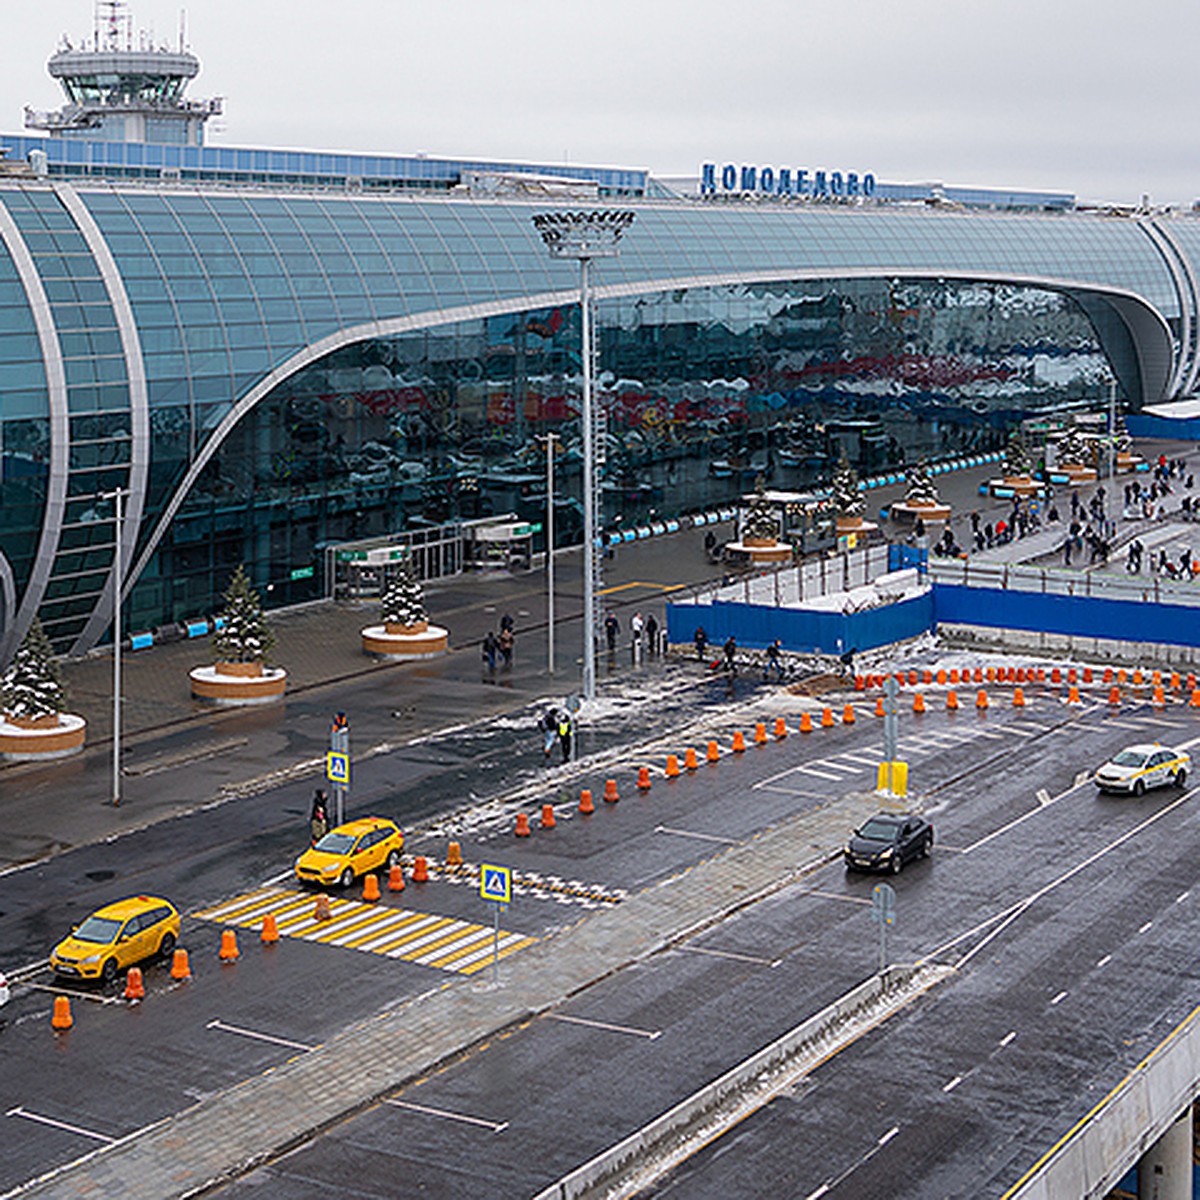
[[110, 15]]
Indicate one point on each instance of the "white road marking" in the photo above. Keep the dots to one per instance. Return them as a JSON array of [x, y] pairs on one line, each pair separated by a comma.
[[648, 1034], [1043, 796], [1182, 897], [835, 896], [818, 1193], [494, 1126], [891, 1133], [750, 958], [1104, 961], [1188, 744], [1008, 1037], [1144, 928], [687, 833], [58, 990], [32, 1116], [274, 879], [820, 774], [1058, 999], [1023, 817], [258, 1037], [949, 1087], [867, 759]]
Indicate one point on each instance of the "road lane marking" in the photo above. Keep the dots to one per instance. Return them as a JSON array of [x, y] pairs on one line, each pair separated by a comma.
[[1182, 897], [949, 1087], [494, 1126], [1008, 1037], [704, 837], [256, 1036], [1024, 816], [1058, 999], [1104, 961], [1148, 925], [820, 774], [835, 896], [32, 1116], [648, 1034], [750, 958], [891, 1133]]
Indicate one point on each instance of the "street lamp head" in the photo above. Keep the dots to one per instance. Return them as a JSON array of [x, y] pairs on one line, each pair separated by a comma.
[[583, 235]]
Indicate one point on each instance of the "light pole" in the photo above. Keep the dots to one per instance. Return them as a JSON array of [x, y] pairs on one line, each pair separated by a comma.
[[584, 236], [116, 497], [550, 439]]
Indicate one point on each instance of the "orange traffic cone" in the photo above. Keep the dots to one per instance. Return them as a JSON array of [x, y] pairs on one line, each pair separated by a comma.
[[918, 703], [1191, 682], [912, 675], [1018, 697], [879, 707], [522, 830], [229, 946], [689, 759], [321, 912], [1159, 698], [1138, 677], [953, 674], [981, 700], [739, 742], [1020, 676], [179, 965], [1087, 675], [672, 766], [396, 878], [135, 987], [1114, 695], [611, 795], [713, 753], [1122, 676], [421, 867], [805, 722], [1072, 675], [1108, 674], [826, 718], [941, 676], [1056, 676], [927, 677], [848, 717], [454, 856], [1073, 696], [951, 699], [1040, 675], [1174, 681], [643, 779], [860, 683], [978, 675], [61, 1018], [370, 888], [586, 807], [991, 674], [548, 821], [1156, 678], [1195, 700], [760, 734], [780, 728]]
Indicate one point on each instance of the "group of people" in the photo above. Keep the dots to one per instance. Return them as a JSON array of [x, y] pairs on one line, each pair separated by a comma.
[[499, 644], [643, 634], [556, 726]]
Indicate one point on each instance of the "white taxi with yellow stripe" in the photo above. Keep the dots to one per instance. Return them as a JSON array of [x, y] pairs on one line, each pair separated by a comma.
[[1139, 768]]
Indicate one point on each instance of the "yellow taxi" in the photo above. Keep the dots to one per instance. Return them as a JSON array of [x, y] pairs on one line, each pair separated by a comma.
[[116, 937], [350, 850]]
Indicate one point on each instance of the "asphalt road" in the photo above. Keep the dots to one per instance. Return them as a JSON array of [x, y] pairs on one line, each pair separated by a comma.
[[1086, 877]]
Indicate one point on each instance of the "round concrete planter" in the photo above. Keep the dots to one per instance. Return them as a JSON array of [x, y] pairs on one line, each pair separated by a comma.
[[429, 641], [847, 525], [927, 512], [1077, 472], [1019, 485], [233, 684], [57, 736], [762, 551]]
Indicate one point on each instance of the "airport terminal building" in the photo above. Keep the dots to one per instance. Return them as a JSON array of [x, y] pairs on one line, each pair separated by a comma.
[[280, 352]]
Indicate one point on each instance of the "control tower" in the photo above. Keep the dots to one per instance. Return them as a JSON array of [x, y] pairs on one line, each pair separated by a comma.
[[121, 92]]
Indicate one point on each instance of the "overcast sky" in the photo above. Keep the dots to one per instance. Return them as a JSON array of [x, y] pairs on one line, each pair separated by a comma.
[[1097, 97]]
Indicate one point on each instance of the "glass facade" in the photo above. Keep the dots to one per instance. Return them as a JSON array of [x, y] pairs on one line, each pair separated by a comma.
[[313, 368]]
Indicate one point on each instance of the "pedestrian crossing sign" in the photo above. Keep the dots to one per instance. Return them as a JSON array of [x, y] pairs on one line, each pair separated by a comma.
[[495, 883], [337, 767]]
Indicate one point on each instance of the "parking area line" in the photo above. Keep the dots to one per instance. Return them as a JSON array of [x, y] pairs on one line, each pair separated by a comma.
[[649, 1034], [63, 1125], [703, 837], [494, 1126], [254, 1035], [748, 958]]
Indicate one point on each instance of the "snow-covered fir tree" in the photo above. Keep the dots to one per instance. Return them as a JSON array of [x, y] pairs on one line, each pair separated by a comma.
[[761, 521], [245, 636], [32, 686], [848, 501], [1071, 448], [1016, 456], [920, 490], [403, 601], [1121, 435]]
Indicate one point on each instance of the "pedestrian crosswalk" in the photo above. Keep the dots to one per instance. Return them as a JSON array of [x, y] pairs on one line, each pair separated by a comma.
[[444, 943]]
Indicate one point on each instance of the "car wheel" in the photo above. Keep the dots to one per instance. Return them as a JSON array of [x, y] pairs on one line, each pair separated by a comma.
[[897, 864], [108, 973], [1180, 779], [1139, 787], [347, 877], [926, 846], [166, 946], [393, 859]]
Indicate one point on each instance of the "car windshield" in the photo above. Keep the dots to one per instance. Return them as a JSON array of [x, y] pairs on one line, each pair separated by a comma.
[[336, 843], [1129, 758], [880, 831], [101, 930]]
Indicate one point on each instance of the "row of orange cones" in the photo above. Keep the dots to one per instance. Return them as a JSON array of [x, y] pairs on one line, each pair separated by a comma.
[[1028, 675]]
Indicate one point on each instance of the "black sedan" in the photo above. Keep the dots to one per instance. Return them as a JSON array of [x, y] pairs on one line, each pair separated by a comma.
[[887, 841]]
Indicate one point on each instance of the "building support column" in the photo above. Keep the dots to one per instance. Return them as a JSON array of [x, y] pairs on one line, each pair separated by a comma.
[[1165, 1170]]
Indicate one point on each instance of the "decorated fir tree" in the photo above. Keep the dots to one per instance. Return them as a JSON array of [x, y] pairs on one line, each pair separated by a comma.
[[32, 687], [1070, 448], [403, 601], [920, 492], [761, 523], [1016, 456], [244, 637], [1124, 442], [848, 501]]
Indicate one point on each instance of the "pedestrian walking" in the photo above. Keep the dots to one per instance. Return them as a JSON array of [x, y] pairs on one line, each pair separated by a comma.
[[549, 727], [489, 651], [651, 634], [774, 662], [318, 821], [636, 628], [611, 628], [701, 640], [505, 642], [730, 650], [565, 729]]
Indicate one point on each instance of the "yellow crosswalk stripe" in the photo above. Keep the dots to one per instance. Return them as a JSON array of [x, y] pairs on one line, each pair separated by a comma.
[[426, 939]]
